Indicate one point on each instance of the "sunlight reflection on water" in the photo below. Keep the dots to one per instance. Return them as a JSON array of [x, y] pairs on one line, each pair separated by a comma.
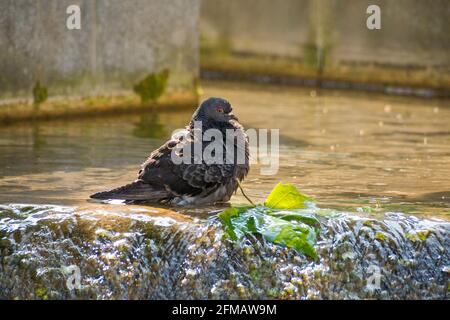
[[349, 150]]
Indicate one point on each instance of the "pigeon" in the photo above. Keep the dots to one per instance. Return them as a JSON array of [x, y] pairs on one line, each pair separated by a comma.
[[203, 164]]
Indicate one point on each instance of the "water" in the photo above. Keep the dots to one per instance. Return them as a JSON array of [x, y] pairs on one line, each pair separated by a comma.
[[351, 151], [367, 155]]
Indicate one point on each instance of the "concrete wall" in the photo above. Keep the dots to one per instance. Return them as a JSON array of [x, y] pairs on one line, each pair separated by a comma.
[[331, 37], [120, 42]]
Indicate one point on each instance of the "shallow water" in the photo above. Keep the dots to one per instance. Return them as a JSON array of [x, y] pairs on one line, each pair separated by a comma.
[[349, 150]]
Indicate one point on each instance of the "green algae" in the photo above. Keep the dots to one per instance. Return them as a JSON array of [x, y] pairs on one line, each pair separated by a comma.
[[418, 235], [381, 236], [365, 209], [141, 258], [40, 93], [152, 87], [315, 56], [220, 47], [281, 69], [79, 107], [41, 293]]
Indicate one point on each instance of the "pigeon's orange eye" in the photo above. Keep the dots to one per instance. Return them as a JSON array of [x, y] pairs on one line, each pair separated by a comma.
[[219, 110]]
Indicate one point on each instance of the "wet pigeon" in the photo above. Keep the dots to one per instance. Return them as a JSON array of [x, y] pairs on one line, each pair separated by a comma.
[[178, 173]]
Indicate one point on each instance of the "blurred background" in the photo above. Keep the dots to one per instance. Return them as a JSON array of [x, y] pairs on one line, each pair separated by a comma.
[[328, 41], [304, 42]]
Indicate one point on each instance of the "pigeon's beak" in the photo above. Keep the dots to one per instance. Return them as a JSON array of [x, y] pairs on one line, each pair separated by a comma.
[[232, 117]]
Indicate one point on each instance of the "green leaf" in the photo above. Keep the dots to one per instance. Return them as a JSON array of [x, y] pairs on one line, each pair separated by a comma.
[[226, 217], [307, 218], [301, 238], [291, 234], [286, 196], [235, 225], [289, 227]]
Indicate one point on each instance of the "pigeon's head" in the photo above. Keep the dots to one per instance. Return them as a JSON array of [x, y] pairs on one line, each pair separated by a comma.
[[214, 109]]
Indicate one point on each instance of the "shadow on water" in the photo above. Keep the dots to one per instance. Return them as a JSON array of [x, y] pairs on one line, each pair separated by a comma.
[[443, 197]]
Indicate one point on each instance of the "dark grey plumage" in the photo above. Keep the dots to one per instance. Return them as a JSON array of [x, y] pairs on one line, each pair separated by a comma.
[[162, 180]]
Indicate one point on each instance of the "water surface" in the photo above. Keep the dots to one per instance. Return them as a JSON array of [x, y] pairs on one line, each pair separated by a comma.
[[350, 151]]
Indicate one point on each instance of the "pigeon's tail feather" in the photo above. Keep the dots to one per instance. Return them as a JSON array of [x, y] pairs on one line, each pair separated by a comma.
[[137, 190]]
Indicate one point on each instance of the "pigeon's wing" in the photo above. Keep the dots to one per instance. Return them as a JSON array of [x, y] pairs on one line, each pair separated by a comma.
[[205, 176], [182, 179], [160, 171]]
